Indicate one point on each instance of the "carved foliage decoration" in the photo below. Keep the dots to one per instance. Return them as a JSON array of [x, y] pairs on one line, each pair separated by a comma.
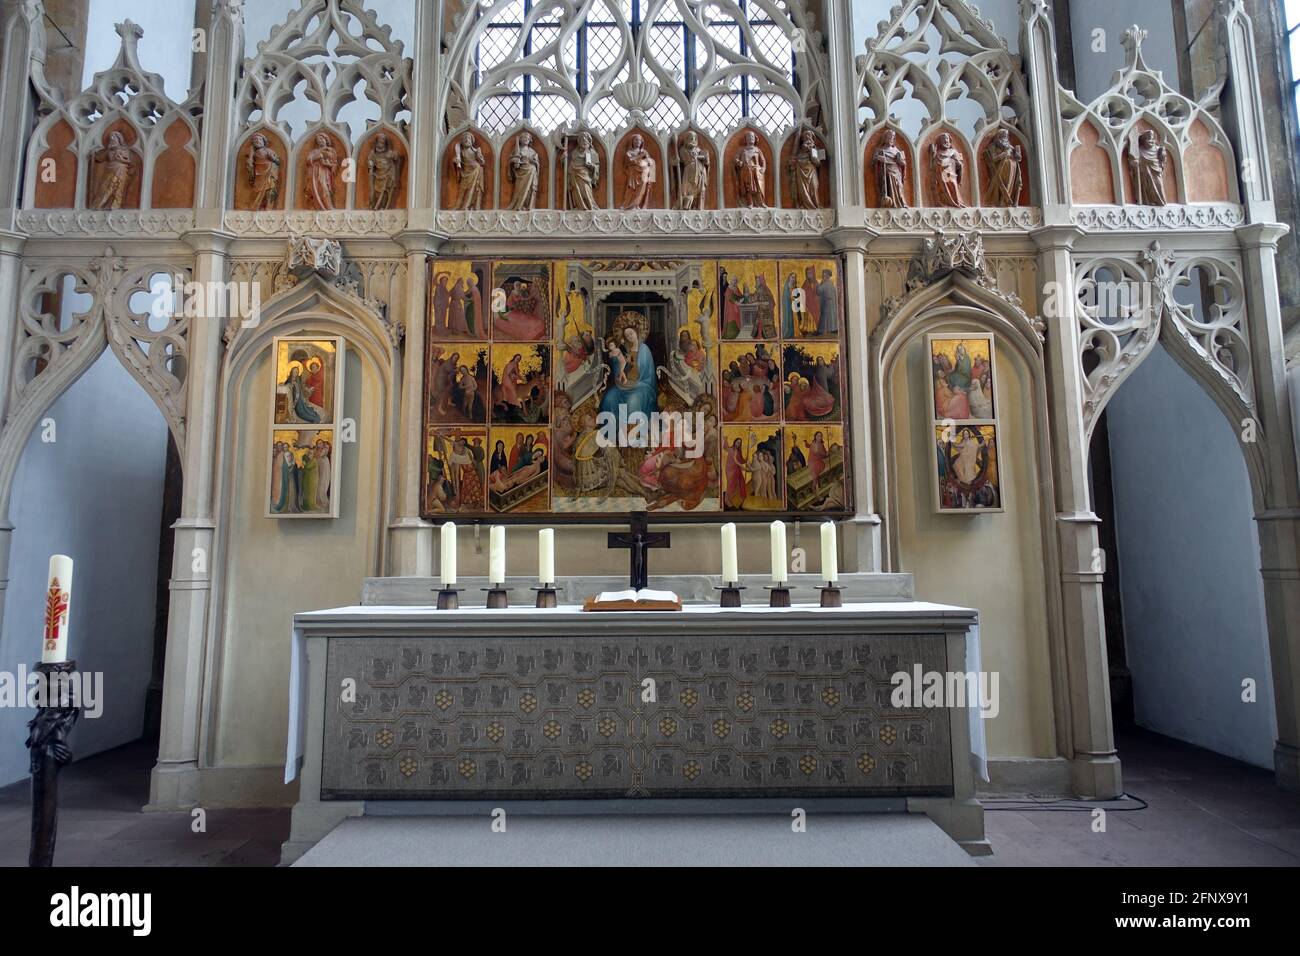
[[327, 53], [122, 125], [1103, 135], [634, 76]]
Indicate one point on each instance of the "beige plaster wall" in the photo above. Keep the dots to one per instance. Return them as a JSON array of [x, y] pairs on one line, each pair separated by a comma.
[[277, 567], [993, 562]]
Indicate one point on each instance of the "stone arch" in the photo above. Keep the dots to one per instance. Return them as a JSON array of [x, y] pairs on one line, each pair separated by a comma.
[[313, 305], [958, 301]]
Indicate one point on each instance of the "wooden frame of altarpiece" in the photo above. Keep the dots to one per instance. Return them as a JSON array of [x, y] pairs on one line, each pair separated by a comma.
[[966, 472], [302, 478], [519, 363]]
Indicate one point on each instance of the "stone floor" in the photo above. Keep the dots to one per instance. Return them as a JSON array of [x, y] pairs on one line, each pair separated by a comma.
[[1203, 810]]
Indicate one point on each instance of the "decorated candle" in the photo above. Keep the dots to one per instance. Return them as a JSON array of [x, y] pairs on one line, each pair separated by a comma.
[[546, 556], [58, 602], [448, 563], [729, 575], [830, 553], [496, 554], [778, 552]]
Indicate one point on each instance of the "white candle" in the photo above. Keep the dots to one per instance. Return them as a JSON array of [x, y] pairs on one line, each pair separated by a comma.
[[729, 575], [546, 556], [58, 605], [496, 554], [778, 552], [830, 553], [448, 563]]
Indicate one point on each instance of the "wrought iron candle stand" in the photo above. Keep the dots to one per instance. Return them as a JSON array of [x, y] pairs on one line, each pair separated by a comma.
[[47, 739]]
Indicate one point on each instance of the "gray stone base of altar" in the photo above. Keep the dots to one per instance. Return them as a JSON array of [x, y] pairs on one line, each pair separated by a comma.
[[691, 588], [617, 839]]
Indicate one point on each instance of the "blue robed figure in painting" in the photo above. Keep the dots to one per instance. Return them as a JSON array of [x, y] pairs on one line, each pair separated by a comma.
[[631, 382]]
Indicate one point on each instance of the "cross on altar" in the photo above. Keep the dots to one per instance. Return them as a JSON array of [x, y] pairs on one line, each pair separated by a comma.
[[639, 540]]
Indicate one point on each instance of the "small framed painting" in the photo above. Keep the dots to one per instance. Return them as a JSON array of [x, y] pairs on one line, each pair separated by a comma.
[[962, 387], [306, 412]]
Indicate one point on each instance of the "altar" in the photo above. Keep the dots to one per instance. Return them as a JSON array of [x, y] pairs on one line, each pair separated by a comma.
[[405, 709]]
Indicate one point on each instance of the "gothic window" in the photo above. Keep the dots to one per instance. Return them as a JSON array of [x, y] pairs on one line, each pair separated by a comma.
[[723, 61], [1291, 23]]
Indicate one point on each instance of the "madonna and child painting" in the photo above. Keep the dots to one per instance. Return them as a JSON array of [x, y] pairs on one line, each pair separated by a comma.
[[675, 386]]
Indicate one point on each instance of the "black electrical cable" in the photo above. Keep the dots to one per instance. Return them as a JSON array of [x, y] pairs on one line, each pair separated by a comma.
[[1055, 806]]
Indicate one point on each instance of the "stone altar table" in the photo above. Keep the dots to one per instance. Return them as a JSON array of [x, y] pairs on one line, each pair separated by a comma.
[[749, 705]]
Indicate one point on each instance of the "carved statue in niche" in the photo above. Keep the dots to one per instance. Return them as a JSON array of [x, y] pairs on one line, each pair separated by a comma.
[[805, 169], [891, 172], [1146, 163], [263, 168], [751, 173], [1003, 157], [639, 168], [948, 167], [322, 168], [692, 172], [582, 173], [525, 171], [113, 163], [385, 167], [470, 172]]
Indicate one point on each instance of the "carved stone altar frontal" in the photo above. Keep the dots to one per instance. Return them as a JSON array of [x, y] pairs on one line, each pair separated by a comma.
[[560, 716]]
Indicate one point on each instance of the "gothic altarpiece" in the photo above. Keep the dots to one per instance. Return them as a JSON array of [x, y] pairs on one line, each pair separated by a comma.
[[730, 207]]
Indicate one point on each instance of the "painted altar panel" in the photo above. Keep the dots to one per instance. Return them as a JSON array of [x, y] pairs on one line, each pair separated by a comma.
[[558, 715], [681, 386]]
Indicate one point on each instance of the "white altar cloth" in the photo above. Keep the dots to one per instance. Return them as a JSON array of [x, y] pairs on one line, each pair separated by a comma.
[[298, 699]]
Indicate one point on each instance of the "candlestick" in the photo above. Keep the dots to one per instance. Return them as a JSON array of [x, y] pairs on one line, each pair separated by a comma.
[[58, 605], [497, 598], [497, 554], [830, 553], [47, 741], [448, 562], [546, 556], [778, 595], [831, 595], [547, 596], [778, 552], [449, 598], [730, 596], [729, 571]]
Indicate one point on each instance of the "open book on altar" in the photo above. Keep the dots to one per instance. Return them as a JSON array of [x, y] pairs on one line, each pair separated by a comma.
[[633, 600]]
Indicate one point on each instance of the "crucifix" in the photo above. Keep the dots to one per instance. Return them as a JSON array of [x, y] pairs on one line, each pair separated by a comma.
[[639, 540]]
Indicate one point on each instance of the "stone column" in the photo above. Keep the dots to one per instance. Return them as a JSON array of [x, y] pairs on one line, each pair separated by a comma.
[[411, 550], [1051, 185], [1089, 739], [174, 783], [21, 40], [1279, 517], [846, 174], [861, 547]]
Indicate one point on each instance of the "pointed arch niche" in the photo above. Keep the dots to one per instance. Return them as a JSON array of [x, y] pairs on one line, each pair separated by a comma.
[[1005, 564], [265, 570]]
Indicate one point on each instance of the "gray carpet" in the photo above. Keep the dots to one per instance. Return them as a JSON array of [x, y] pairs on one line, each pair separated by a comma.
[[708, 840]]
